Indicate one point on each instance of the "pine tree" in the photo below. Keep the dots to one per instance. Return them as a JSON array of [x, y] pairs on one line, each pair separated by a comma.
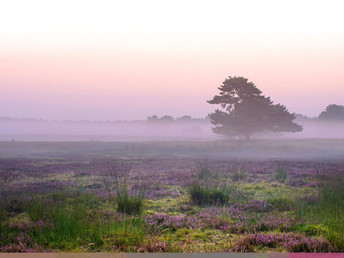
[[245, 111]]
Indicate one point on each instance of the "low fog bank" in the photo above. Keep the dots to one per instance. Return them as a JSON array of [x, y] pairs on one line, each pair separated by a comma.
[[165, 151], [41, 130], [319, 129], [311, 130], [145, 130]]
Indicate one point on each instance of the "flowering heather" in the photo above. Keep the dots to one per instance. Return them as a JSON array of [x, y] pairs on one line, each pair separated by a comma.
[[157, 246], [156, 223], [255, 206], [65, 200], [291, 242], [229, 219], [19, 243]]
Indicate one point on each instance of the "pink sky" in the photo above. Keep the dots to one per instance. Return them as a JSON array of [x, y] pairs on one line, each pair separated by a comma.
[[165, 59]]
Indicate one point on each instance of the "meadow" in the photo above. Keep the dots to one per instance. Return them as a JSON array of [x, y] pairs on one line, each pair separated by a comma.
[[207, 196]]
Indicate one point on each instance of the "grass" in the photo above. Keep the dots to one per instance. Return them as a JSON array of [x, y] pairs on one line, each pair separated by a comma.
[[71, 224], [327, 209], [281, 203], [280, 174], [67, 206], [203, 172], [127, 235], [58, 225], [207, 195], [238, 175], [131, 204]]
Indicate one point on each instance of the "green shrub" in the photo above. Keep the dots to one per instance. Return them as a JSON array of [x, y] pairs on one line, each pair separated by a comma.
[[130, 204]]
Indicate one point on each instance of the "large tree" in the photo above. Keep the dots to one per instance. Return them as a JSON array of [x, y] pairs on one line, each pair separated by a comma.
[[245, 111]]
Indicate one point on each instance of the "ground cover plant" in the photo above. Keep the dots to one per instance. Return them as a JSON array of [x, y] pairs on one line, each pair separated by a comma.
[[167, 197]]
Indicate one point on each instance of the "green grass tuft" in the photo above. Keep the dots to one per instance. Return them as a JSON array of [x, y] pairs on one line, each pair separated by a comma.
[[207, 195], [328, 209], [280, 174], [129, 204]]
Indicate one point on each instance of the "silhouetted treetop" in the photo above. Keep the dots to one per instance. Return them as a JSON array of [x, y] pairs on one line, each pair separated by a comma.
[[234, 90], [332, 113]]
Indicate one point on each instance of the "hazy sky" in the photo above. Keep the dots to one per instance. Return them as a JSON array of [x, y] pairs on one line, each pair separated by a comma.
[[110, 60]]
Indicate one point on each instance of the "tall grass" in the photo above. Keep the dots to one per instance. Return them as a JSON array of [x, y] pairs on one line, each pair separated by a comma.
[[238, 175], [127, 235], [328, 209], [66, 225], [280, 174], [207, 195], [131, 204], [203, 172], [71, 223]]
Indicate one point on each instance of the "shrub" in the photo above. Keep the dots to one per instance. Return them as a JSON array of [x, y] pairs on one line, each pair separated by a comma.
[[130, 204]]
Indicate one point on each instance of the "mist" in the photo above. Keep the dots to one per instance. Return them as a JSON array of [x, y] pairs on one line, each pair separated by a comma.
[[41, 130], [187, 129]]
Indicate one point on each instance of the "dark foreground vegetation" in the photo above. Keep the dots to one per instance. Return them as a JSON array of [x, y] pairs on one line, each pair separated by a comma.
[[172, 197]]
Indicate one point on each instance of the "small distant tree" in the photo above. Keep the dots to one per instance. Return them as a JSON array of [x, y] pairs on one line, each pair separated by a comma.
[[185, 118], [245, 111], [153, 118], [332, 113], [163, 120], [166, 119]]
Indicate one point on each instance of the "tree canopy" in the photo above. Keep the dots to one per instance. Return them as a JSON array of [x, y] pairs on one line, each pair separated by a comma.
[[245, 111], [332, 113]]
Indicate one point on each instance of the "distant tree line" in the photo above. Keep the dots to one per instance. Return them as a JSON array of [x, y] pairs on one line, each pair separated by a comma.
[[332, 113], [166, 119]]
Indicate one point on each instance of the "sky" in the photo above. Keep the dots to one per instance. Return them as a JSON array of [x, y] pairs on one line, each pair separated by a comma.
[[126, 60]]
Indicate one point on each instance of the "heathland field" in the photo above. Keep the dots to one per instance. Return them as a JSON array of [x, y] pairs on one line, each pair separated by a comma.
[[216, 196]]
